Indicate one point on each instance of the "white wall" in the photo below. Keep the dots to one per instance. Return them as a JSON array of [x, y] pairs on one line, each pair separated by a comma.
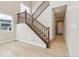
[[26, 5], [25, 34], [72, 28], [10, 8], [58, 3]]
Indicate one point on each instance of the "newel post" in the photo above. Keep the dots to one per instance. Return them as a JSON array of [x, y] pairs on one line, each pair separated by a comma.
[[25, 16], [17, 18], [32, 19], [48, 43]]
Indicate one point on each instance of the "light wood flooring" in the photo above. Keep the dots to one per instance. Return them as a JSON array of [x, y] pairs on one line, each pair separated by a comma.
[[21, 49]]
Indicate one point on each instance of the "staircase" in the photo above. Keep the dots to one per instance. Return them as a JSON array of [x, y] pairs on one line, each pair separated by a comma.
[[41, 30]]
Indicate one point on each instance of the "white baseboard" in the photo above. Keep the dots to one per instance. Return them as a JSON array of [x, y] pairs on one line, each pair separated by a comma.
[[32, 43], [68, 46], [7, 41]]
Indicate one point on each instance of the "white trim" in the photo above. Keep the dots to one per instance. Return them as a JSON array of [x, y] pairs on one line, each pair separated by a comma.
[[7, 41], [68, 46], [32, 43]]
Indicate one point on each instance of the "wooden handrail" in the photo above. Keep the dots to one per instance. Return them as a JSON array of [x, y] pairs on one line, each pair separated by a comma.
[[48, 44], [20, 12]]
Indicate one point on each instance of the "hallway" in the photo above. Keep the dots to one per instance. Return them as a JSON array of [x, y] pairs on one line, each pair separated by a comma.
[[21, 49], [60, 45]]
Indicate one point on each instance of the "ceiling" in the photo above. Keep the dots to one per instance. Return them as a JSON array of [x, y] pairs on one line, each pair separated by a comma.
[[59, 12]]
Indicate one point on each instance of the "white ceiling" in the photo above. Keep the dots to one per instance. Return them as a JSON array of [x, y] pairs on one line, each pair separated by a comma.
[[59, 12]]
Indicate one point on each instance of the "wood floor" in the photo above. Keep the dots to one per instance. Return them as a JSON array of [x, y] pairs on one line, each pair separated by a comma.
[[21, 49]]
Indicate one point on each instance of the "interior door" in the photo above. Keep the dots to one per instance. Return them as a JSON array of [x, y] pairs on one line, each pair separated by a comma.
[[59, 27]]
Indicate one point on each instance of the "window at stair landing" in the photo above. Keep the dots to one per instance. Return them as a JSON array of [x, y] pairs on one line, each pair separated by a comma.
[[6, 22], [24, 7]]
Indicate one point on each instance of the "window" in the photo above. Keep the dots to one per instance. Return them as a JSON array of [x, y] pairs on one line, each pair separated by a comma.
[[5, 22]]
